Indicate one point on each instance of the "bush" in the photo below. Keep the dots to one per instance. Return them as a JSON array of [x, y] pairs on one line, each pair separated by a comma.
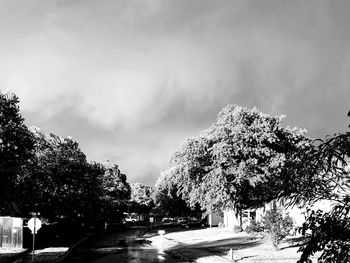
[[237, 229], [254, 227], [277, 225]]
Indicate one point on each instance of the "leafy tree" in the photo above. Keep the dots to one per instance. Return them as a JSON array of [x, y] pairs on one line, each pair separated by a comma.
[[116, 192], [243, 160], [92, 203], [330, 234], [169, 203], [16, 145], [328, 162], [141, 199], [57, 178], [50, 174], [61, 182]]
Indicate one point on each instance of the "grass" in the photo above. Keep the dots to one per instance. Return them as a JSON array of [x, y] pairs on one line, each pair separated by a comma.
[[216, 243]]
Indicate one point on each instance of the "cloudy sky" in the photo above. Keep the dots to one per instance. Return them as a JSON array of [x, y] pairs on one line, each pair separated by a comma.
[[131, 80]]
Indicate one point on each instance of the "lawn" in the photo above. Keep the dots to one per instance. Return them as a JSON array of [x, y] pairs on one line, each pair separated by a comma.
[[215, 244]]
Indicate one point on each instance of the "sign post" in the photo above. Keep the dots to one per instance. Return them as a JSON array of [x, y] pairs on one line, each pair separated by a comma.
[[34, 224]]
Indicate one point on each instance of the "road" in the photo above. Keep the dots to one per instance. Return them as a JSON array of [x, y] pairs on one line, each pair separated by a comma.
[[122, 246]]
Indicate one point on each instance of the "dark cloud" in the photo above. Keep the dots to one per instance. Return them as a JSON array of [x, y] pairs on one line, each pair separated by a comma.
[[131, 80]]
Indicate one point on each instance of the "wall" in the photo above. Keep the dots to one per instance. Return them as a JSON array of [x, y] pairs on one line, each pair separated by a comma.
[[214, 220]]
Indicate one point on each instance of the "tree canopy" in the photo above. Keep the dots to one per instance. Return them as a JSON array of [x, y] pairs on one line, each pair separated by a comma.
[[50, 174], [245, 159], [141, 198], [61, 182], [328, 162], [16, 149]]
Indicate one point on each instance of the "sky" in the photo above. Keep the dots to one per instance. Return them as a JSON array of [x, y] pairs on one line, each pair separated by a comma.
[[132, 80]]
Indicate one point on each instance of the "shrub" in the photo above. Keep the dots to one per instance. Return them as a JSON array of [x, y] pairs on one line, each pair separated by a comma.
[[237, 229], [254, 227], [277, 225]]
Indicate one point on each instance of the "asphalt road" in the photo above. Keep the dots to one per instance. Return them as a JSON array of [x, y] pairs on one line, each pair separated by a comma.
[[122, 246]]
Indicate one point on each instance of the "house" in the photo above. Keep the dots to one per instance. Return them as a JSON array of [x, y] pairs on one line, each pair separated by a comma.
[[234, 219], [214, 219]]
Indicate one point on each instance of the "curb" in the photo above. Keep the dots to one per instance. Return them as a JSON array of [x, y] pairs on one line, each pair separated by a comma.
[[73, 249]]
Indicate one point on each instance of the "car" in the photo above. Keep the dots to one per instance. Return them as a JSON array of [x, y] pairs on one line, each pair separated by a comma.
[[182, 220], [130, 219], [193, 222], [168, 220]]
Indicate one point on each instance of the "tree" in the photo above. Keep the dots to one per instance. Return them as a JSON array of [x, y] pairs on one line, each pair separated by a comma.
[[141, 199], [92, 205], [61, 182], [168, 201], [243, 160], [16, 145], [328, 162], [116, 192], [56, 178]]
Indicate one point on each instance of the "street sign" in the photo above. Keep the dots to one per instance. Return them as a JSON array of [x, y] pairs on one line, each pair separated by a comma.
[[151, 219], [34, 223]]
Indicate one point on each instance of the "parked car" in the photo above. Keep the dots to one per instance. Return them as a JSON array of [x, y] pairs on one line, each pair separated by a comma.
[[168, 220], [193, 222], [130, 220], [182, 220]]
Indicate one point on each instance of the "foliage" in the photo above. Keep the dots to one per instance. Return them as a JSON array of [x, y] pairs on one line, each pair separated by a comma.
[[243, 160], [62, 183], [169, 203], [56, 178], [141, 199], [325, 171], [277, 225], [54, 172], [16, 145], [330, 231], [254, 227], [115, 192], [237, 229]]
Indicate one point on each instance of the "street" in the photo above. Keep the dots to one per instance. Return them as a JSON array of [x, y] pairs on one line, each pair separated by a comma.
[[124, 245]]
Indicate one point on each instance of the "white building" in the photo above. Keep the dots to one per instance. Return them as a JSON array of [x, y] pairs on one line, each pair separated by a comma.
[[215, 220], [233, 219]]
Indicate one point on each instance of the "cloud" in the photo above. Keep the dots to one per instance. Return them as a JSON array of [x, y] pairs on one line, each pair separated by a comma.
[[162, 70]]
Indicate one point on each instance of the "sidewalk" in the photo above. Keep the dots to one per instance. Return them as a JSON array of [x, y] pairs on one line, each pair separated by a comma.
[[215, 244]]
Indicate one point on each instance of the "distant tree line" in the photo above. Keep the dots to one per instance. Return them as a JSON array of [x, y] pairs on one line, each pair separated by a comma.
[[50, 174]]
